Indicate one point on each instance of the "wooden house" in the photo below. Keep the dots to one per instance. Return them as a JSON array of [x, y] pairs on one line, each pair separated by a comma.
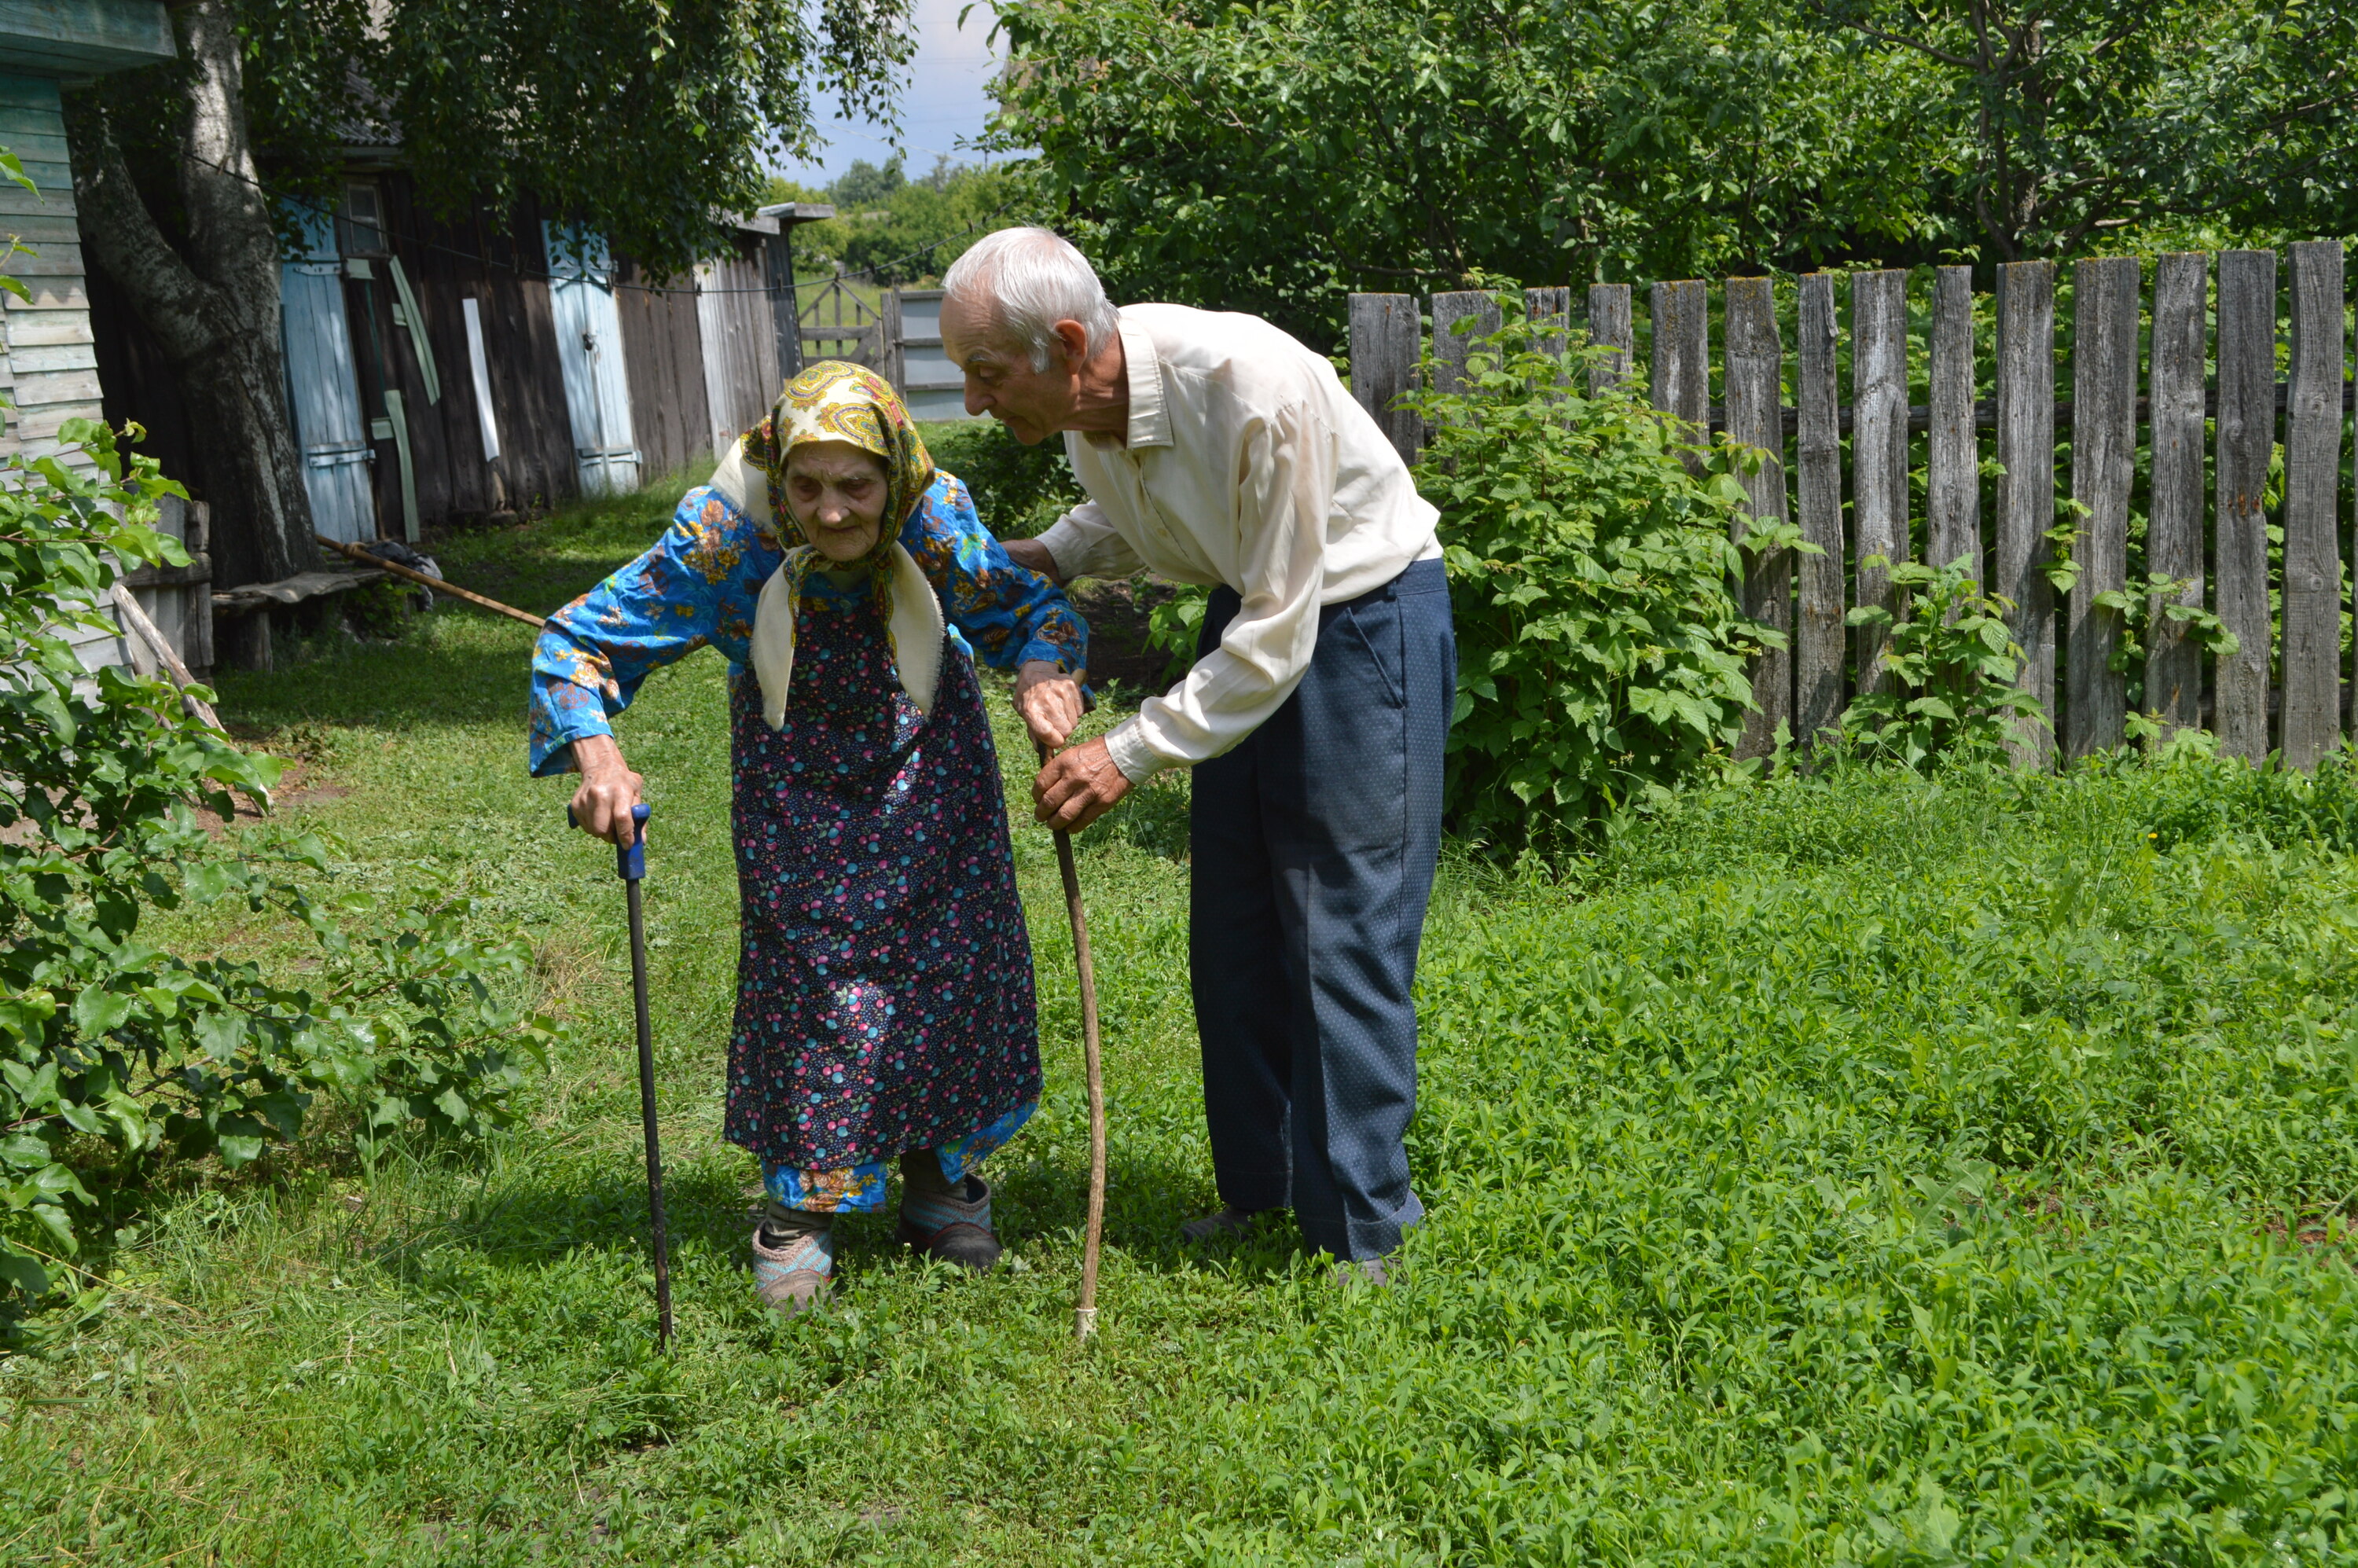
[[48, 358]]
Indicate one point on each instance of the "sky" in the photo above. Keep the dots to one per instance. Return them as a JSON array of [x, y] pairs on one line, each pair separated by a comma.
[[944, 99]]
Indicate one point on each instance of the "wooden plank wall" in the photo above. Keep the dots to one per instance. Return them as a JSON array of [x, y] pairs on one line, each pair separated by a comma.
[[740, 340], [663, 358], [50, 367], [499, 260], [2135, 338], [49, 364]]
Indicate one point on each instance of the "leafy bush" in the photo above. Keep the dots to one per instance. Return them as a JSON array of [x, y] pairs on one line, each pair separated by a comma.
[[2277, 806], [115, 1052], [1951, 666], [1018, 489], [1600, 654]]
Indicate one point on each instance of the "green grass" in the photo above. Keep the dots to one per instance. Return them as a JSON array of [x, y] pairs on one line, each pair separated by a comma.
[[1861, 1169]]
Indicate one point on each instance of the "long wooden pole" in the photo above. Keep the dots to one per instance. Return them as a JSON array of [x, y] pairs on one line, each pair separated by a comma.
[[126, 605], [1084, 1313], [422, 580]]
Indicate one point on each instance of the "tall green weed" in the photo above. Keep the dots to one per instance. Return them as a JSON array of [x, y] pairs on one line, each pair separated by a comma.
[[1601, 654]]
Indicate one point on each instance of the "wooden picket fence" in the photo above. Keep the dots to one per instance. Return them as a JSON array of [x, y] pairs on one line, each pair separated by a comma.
[[2287, 697]]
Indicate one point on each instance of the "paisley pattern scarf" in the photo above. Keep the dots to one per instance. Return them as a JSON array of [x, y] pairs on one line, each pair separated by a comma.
[[833, 401]]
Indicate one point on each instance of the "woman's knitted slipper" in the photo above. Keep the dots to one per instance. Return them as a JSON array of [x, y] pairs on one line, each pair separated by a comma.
[[796, 1275], [953, 1228]]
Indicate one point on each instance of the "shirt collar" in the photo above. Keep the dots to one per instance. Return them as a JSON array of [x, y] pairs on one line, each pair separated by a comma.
[[1149, 422]]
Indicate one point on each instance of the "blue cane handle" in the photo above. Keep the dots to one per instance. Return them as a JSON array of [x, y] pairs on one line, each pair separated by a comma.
[[630, 861]]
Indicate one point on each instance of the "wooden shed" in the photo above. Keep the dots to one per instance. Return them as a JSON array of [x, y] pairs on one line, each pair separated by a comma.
[[49, 356]]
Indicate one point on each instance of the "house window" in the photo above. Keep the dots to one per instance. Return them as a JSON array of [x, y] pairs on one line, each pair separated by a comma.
[[362, 222]]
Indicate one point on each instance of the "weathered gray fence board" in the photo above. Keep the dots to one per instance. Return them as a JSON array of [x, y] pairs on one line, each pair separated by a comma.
[[2173, 541], [1450, 345], [1610, 327], [1550, 310], [2026, 491], [2248, 424], [1878, 450], [1384, 340], [1818, 633], [2104, 466], [1681, 383], [1952, 455], [2312, 559], [1756, 362]]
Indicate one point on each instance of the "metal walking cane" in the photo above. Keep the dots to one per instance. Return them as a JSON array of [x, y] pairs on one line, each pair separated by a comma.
[[1084, 1313], [631, 865]]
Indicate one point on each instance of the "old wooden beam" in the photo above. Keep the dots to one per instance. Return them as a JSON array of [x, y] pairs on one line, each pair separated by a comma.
[[2246, 436], [2173, 541], [2104, 467], [1878, 453], [1953, 456], [1384, 336], [1756, 363], [1819, 639], [2312, 556], [2026, 491]]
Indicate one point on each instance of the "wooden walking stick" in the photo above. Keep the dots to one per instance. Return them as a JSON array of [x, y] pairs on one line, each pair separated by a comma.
[[1084, 1313]]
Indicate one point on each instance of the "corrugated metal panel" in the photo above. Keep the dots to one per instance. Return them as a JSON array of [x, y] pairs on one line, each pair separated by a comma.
[[323, 391], [589, 344]]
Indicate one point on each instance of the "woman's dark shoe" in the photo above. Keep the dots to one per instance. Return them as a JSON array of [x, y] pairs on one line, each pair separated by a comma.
[[952, 1226]]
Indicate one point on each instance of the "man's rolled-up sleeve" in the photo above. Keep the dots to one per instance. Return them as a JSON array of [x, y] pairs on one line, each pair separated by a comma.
[[1285, 495], [1083, 544]]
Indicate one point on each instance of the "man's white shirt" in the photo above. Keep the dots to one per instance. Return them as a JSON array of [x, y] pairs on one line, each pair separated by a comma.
[[1247, 464]]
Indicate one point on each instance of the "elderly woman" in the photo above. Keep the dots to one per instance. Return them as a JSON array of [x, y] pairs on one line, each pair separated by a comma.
[[884, 1001]]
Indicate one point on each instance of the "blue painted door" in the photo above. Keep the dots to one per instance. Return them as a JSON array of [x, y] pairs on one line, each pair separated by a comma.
[[322, 388], [590, 348]]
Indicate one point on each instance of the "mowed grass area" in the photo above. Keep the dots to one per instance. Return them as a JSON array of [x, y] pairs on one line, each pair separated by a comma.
[[1856, 1170]]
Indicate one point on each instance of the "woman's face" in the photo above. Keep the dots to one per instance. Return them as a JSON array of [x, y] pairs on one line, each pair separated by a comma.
[[836, 491]]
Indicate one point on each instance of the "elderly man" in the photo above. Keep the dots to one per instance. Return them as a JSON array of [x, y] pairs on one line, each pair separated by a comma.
[[1215, 450]]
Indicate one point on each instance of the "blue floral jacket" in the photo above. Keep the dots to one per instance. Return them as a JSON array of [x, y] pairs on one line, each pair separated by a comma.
[[699, 583]]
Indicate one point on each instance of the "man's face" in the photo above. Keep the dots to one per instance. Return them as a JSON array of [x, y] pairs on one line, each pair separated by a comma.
[[1000, 381]]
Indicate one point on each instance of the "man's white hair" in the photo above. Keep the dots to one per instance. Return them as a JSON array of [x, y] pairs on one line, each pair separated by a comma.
[[1024, 281]]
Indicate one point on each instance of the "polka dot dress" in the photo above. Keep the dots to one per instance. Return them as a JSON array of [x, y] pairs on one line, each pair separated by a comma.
[[884, 985]]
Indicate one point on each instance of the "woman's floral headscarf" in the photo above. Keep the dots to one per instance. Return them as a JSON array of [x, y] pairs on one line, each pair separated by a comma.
[[833, 401]]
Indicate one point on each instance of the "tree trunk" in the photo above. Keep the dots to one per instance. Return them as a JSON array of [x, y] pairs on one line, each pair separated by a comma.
[[212, 303]]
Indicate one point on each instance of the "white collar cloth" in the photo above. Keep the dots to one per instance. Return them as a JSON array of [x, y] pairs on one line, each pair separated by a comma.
[[1246, 463], [916, 626]]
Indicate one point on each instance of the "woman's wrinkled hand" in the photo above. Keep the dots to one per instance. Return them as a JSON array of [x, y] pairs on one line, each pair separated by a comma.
[[1049, 699], [601, 806]]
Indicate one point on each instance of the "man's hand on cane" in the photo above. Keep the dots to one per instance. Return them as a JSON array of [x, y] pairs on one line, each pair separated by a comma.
[[1078, 787], [601, 805]]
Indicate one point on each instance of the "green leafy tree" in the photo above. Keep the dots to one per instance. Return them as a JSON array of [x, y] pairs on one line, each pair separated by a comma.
[[889, 229], [1272, 158], [640, 118], [1601, 656], [2058, 123]]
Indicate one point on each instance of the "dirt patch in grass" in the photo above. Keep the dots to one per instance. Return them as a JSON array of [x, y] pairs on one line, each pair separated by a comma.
[[1118, 650]]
